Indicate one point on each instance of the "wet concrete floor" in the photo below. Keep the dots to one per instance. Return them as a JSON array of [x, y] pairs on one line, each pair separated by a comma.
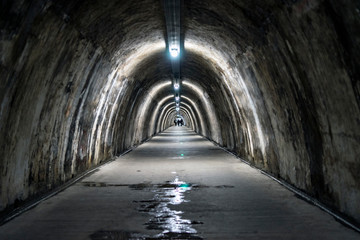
[[176, 186]]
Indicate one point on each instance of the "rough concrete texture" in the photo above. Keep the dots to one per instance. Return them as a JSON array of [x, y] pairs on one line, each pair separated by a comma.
[[276, 82], [154, 192]]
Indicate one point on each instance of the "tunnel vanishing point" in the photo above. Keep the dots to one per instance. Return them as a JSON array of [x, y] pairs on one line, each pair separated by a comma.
[[274, 82]]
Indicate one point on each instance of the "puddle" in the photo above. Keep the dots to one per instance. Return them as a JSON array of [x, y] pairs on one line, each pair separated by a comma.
[[224, 186], [116, 235], [138, 186], [162, 218], [102, 184], [149, 186], [123, 235]]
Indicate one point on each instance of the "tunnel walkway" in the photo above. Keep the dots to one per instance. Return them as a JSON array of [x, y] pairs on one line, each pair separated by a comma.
[[180, 186]]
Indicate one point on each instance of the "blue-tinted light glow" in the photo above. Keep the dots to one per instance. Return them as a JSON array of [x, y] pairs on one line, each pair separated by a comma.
[[185, 185], [174, 52]]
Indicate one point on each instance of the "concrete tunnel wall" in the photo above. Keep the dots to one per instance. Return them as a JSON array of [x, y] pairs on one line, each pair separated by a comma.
[[275, 82]]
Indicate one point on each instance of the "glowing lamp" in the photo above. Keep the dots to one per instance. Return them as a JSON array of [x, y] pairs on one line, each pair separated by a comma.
[[174, 52]]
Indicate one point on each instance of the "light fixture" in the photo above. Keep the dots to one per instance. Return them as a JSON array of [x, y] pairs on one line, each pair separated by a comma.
[[177, 109], [174, 52], [177, 98], [177, 104], [176, 86]]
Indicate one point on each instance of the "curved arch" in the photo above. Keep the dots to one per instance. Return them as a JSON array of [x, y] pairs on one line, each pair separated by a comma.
[[144, 110], [185, 115], [190, 120], [165, 112], [155, 115], [208, 107], [111, 92], [203, 125], [165, 122], [195, 120], [235, 83]]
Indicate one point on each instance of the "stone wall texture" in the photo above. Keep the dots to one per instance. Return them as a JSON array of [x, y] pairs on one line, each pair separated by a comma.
[[275, 82]]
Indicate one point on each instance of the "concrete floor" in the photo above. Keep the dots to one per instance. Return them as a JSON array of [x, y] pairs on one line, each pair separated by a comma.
[[176, 186]]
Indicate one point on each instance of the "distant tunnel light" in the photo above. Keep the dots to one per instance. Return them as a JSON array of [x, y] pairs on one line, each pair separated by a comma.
[[176, 86], [177, 109], [174, 52], [177, 98]]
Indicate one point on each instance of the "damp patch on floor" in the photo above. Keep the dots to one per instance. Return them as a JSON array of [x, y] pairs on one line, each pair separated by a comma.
[[167, 221], [116, 235], [125, 235], [163, 218], [147, 185]]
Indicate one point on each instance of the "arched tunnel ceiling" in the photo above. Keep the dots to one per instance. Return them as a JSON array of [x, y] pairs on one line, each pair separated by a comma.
[[111, 24], [84, 81], [139, 54]]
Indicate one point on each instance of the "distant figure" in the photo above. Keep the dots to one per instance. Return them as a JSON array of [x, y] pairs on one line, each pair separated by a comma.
[[180, 122], [175, 122]]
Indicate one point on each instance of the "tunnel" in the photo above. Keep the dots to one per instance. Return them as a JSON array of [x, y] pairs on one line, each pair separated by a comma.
[[275, 83]]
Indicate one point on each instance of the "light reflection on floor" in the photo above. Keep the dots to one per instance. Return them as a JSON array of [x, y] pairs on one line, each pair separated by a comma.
[[169, 221]]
